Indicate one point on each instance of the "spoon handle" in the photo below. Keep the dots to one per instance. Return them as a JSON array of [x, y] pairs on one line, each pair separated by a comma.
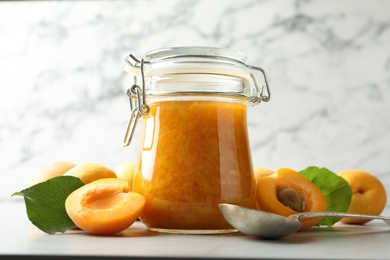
[[304, 215]]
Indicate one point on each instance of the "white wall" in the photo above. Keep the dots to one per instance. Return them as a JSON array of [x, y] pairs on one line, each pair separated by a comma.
[[62, 81]]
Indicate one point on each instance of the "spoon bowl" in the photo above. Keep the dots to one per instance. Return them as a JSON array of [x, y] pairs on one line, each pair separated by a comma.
[[272, 226]]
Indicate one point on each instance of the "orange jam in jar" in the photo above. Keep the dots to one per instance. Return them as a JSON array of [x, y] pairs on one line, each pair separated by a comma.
[[194, 151]]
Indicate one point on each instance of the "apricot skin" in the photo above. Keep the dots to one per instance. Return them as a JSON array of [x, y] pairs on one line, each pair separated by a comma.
[[126, 170], [90, 171], [267, 197], [105, 206], [368, 195], [51, 170], [260, 172]]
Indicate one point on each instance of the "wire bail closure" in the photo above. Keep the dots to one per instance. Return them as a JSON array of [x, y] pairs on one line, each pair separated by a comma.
[[137, 100], [262, 96]]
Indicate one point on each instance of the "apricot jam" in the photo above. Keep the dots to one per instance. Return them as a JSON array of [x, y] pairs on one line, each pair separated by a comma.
[[194, 155], [194, 150]]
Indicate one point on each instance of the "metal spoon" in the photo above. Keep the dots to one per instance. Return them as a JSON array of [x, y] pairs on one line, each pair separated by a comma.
[[269, 225]]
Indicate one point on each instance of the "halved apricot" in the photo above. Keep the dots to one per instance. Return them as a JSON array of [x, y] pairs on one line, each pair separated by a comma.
[[105, 206], [287, 192]]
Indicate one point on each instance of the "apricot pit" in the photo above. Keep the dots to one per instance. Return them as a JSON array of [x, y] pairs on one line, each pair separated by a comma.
[[291, 198]]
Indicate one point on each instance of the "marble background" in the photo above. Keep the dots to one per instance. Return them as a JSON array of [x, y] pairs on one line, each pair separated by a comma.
[[62, 81]]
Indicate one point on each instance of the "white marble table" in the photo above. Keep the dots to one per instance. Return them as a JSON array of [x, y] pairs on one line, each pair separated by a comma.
[[19, 237]]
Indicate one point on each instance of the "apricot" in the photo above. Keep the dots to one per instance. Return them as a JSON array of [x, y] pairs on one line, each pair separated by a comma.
[[368, 195], [105, 206], [126, 171], [52, 169], [260, 171], [287, 192], [89, 172]]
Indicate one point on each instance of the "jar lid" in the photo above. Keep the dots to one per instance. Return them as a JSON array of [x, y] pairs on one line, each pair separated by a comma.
[[196, 69], [191, 59], [194, 51]]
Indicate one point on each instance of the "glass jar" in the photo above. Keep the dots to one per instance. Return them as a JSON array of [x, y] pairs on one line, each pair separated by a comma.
[[194, 150]]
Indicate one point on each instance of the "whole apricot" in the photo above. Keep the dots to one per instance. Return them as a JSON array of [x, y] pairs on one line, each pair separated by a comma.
[[286, 192], [52, 169], [368, 195], [260, 171], [105, 206], [126, 171], [89, 172]]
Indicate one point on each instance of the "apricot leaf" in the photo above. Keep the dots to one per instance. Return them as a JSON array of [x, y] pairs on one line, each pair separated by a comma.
[[337, 191], [45, 203]]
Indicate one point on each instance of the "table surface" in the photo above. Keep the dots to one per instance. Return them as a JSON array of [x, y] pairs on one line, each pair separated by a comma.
[[20, 237]]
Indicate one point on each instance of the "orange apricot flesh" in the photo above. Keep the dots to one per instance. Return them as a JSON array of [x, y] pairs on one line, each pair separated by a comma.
[[105, 206], [287, 182]]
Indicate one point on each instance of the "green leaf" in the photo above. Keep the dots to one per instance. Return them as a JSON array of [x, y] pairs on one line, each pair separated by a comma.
[[337, 191], [45, 203]]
